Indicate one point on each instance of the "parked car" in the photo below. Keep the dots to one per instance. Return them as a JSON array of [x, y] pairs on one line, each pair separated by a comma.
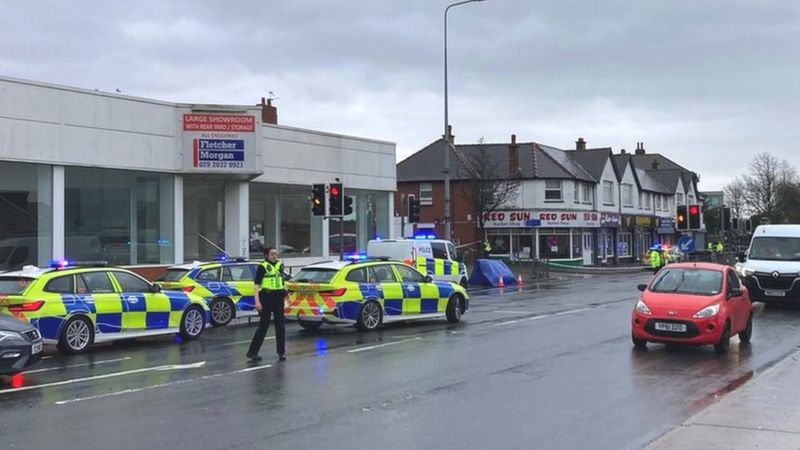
[[693, 303], [20, 345]]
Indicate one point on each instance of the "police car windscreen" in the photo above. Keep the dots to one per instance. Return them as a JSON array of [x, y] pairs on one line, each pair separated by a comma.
[[173, 275], [311, 275], [14, 285]]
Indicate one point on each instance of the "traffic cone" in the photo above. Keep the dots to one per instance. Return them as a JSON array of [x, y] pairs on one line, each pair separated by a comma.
[[519, 279], [500, 282]]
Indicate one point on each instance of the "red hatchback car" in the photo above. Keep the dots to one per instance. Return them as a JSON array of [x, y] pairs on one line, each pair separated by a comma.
[[693, 303]]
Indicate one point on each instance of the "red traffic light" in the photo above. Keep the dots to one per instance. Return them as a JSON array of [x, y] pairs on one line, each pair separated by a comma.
[[334, 191], [694, 209]]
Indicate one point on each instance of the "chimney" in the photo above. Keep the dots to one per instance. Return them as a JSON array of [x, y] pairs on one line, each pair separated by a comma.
[[580, 144], [654, 164], [450, 133], [640, 148], [622, 151], [269, 113], [513, 157]]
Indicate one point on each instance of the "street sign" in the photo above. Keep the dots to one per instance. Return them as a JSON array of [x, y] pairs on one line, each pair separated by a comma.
[[533, 223], [686, 244]]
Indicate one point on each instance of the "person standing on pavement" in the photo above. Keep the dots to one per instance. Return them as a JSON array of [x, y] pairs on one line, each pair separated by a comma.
[[487, 248], [269, 292], [655, 259]]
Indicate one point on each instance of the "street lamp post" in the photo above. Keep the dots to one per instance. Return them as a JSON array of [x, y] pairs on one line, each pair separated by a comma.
[[447, 231]]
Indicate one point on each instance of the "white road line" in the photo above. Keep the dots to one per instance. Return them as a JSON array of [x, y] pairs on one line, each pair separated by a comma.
[[108, 375], [373, 347], [502, 311], [543, 316], [245, 342], [96, 363], [157, 386]]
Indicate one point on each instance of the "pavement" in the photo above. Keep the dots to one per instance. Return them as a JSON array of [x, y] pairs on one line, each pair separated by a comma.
[[764, 413]]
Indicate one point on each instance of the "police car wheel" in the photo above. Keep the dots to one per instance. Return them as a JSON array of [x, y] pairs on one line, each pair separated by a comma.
[[454, 309], [370, 316], [192, 322], [309, 325], [221, 312], [76, 336]]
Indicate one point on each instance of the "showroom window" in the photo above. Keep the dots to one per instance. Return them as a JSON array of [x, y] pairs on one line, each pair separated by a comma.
[[118, 216], [25, 215]]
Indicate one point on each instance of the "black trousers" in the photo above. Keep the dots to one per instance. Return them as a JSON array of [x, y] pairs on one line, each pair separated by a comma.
[[271, 306]]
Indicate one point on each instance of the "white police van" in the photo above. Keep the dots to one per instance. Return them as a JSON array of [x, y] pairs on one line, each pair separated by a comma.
[[771, 266], [435, 257]]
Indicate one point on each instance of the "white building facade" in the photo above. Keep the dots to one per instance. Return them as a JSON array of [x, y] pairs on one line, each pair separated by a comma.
[[90, 175]]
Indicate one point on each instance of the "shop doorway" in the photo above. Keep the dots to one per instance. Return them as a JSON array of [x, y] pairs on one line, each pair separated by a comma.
[[588, 249]]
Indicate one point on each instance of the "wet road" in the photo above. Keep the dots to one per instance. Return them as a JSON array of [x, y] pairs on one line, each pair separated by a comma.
[[548, 367]]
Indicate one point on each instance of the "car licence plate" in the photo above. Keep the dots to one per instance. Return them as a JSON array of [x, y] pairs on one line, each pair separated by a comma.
[[37, 347], [675, 327], [775, 293]]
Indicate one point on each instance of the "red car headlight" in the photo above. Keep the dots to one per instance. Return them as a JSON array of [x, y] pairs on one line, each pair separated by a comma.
[[642, 308], [708, 311]]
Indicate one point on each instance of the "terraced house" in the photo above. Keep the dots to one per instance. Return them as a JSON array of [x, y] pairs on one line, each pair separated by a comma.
[[580, 206]]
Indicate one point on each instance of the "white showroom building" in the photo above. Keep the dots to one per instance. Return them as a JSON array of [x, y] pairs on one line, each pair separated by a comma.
[[92, 175]]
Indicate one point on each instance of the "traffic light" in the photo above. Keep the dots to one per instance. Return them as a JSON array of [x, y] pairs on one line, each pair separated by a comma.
[[694, 217], [337, 199], [726, 219], [318, 199], [413, 209], [748, 226], [681, 220], [348, 205], [735, 224]]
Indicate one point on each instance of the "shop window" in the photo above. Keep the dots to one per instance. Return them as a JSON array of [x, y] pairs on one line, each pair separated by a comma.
[[25, 215], [554, 246], [552, 191], [624, 244]]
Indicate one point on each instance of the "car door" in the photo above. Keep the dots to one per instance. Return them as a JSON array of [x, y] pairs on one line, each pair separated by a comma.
[[418, 295], [144, 309], [389, 287], [240, 278], [96, 287]]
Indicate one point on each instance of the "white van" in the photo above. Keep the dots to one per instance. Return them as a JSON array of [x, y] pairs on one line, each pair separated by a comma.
[[435, 257], [771, 266]]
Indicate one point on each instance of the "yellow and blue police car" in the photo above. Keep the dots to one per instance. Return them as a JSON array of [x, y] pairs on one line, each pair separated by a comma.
[[225, 285], [75, 306], [370, 292]]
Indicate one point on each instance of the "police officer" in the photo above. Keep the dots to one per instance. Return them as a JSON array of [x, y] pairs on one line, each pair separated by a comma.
[[270, 292], [487, 248], [655, 259], [720, 247]]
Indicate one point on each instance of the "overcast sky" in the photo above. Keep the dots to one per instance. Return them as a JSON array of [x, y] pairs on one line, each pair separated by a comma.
[[706, 83]]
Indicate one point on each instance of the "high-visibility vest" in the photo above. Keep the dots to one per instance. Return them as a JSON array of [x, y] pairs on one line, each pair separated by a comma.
[[655, 259], [719, 247], [710, 247], [487, 247], [273, 278]]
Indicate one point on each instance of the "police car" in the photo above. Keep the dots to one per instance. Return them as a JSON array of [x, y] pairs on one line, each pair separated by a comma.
[[369, 292], [225, 285], [74, 306], [435, 257]]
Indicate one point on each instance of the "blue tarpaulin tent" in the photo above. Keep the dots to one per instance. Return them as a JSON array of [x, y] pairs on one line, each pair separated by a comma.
[[487, 272]]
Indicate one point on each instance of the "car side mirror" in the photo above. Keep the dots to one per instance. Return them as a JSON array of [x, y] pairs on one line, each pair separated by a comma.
[[741, 257], [641, 287], [428, 279], [735, 292], [155, 288]]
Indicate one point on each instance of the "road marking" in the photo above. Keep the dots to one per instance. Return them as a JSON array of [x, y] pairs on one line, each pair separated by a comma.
[[108, 375], [157, 386], [373, 347], [97, 363], [501, 311], [245, 342], [543, 316]]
